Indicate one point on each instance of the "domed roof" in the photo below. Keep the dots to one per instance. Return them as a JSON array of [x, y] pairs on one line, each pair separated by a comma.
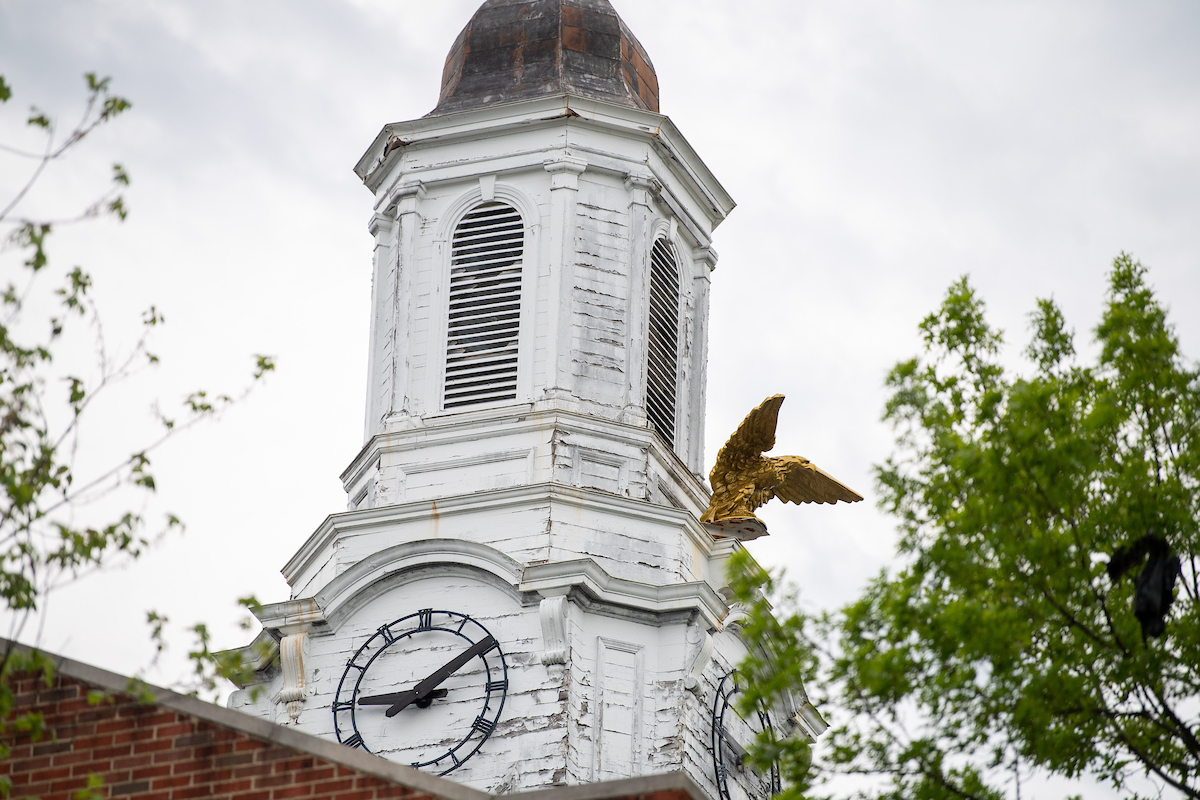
[[521, 49]]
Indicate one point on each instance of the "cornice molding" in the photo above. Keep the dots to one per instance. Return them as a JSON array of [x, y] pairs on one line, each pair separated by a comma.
[[327, 609], [391, 142], [495, 501]]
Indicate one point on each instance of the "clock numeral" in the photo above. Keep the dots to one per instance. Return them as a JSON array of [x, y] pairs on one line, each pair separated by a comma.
[[497, 686], [454, 758], [354, 741], [484, 726], [342, 706], [425, 619], [358, 667], [386, 633]]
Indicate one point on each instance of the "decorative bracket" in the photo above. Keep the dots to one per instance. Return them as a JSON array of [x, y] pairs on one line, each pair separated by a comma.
[[700, 642], [553, 612], [292, 650], [565, 171]]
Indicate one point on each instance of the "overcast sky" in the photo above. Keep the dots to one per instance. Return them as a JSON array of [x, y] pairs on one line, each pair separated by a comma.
[[877, 151]]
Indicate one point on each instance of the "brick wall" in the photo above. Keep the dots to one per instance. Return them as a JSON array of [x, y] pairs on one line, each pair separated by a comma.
[[146, 751]]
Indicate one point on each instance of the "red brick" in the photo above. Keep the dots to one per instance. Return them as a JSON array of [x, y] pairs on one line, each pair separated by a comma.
[[64, 759], [30, 764], [275, 752], [117, 751], [151, 772], [52, 774], [195, 765], [272, 781], [294, 791], [130, 762], [50, 748], [170, 782], [154, 746], [175, 729], [340, 785], [366, 794], [252, 770], [234, 760], [169, 754], [135, 787], [230, 787], [317, 773], [294, 764]]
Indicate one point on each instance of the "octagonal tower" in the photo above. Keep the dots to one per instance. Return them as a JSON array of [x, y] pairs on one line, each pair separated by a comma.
[[533, 461]]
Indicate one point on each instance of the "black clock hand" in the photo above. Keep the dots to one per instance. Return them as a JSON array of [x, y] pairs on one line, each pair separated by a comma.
[[396, 697], [426, 687]]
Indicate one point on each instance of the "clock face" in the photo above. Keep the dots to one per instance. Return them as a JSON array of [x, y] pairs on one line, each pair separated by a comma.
[[732, 735], [425, 690]]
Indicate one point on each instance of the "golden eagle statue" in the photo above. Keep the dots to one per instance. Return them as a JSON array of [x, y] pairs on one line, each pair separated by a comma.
[[744, 479]]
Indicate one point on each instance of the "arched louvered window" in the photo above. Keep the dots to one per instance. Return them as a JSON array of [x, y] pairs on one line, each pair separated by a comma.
[[485, 306], [663, 348]]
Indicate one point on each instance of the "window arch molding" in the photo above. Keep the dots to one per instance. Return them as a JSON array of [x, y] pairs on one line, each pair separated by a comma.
[[666, 292], [442, 368]]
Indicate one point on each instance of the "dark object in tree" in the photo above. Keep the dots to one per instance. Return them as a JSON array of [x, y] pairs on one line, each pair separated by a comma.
[[1155, 584]]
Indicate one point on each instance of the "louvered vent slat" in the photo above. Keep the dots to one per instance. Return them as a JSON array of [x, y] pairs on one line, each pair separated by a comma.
[[663, 342], [485, 307]]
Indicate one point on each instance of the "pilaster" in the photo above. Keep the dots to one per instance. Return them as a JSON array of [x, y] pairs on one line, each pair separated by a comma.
[[564, 188], [641, 190]]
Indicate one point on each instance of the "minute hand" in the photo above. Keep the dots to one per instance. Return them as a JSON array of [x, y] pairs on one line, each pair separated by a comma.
[[422, 689]]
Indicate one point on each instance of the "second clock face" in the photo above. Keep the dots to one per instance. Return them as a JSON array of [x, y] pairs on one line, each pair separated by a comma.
[[732, 735], [425, 690]]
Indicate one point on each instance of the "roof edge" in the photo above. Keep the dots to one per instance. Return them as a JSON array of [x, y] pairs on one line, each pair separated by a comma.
[[624, 787]]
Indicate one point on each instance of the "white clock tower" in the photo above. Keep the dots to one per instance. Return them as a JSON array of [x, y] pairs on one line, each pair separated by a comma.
[[520, 594]]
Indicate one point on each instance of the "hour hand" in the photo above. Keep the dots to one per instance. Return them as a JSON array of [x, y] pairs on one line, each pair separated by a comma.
[[404, 698]]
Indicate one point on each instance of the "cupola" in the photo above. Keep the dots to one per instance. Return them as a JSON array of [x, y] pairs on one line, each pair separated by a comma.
[[518, 50]]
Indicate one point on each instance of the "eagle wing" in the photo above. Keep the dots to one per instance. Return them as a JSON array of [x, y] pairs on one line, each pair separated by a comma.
[[753, 437], [801, 481]]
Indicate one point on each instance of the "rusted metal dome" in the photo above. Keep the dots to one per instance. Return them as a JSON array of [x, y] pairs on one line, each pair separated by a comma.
[[520, 49]]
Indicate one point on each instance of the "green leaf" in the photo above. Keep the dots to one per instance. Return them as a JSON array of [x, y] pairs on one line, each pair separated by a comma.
[[263, 365]]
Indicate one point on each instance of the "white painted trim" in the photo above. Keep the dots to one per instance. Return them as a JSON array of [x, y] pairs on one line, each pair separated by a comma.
[[584, 574], [686, 166], [494, 501], [472, 423]]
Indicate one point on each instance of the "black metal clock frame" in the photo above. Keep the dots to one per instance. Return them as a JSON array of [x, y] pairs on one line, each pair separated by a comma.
[[725, 751], [481, 645]]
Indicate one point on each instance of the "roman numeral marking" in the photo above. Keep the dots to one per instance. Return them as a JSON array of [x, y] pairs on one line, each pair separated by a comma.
[[497, 686], [425, 621], [484, 726], [354, 741], [386, 633], [342, 706]]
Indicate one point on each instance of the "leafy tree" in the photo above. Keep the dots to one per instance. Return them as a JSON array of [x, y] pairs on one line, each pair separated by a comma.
[[1046, 524], [43, 406]]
